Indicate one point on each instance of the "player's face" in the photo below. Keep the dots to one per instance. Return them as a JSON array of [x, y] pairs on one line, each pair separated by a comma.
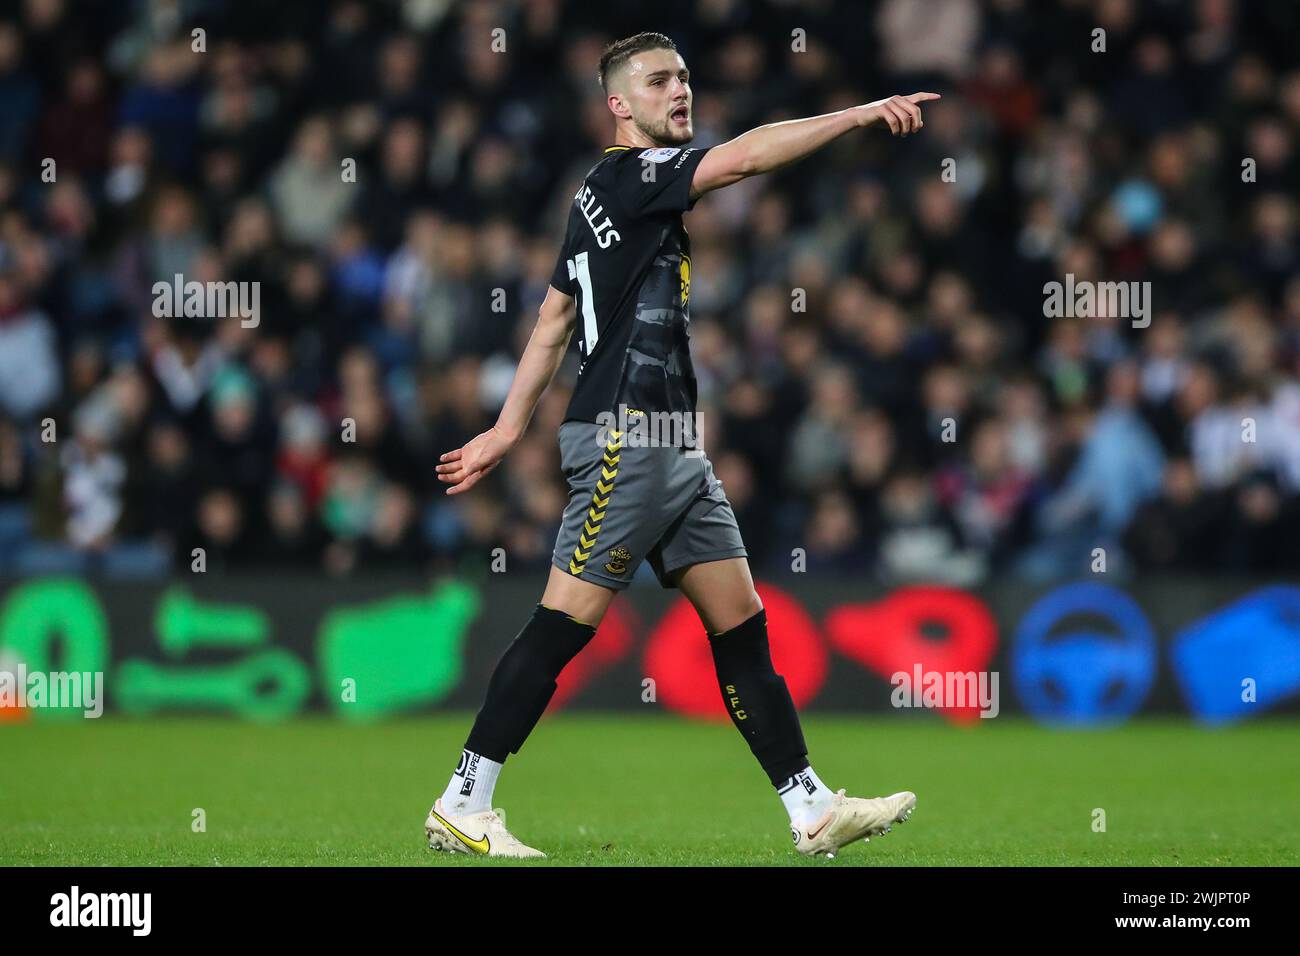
[[658, 93]]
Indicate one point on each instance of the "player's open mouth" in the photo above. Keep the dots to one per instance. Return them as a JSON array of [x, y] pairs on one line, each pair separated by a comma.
[[680, 115]]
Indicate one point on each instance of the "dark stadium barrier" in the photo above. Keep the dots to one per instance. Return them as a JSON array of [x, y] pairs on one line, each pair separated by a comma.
[[266, 648]]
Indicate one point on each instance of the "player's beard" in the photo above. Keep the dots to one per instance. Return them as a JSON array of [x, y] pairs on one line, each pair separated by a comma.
[[663, 132]]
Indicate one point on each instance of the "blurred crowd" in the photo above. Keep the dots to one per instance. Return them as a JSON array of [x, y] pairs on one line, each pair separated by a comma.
[[881, 384]]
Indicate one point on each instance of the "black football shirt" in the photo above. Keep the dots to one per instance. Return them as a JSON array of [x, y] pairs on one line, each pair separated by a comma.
[[626, 259]]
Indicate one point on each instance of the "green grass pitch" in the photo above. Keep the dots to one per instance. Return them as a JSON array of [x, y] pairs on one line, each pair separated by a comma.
[[596, 789]]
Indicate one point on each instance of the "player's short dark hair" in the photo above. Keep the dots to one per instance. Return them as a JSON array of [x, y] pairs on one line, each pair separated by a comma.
[[618, 52]]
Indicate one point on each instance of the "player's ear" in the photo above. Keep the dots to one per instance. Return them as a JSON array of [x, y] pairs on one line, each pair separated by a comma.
[[618, 106]]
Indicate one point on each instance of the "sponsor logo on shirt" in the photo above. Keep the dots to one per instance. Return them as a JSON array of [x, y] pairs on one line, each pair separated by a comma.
[[660, 155]]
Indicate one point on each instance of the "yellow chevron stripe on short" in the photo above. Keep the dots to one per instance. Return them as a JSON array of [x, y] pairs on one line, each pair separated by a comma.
[[600, 499]]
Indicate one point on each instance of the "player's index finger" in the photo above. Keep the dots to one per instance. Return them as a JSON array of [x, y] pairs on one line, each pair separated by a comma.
[[922, 97]]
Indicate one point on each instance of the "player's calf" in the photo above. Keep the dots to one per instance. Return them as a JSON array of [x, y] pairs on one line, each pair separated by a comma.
[[762, 709], [758, 700], [524, 681]]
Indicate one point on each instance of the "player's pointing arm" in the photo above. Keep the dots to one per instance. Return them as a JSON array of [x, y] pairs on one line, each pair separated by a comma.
[[770, 147]]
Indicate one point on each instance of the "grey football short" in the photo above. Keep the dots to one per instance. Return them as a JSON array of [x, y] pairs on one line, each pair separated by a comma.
[[628, 504]]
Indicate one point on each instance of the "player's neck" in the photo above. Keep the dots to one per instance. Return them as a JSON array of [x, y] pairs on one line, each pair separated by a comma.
[[633, 138]]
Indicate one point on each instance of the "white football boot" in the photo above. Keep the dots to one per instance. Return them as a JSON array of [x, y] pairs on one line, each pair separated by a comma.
[[852, 818], [479, 834]]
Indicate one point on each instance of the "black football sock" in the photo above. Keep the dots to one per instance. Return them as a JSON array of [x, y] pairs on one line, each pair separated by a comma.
[[758, 700], [524, 681]]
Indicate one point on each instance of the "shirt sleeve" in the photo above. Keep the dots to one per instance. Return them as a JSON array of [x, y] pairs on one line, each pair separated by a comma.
[[560, 279], [658, 180]]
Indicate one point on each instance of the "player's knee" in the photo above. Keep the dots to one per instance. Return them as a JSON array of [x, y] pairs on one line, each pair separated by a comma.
[[744, 608], [582, 601]]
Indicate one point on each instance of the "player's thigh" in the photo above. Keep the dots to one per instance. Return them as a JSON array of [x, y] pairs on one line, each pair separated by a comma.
[[612, 519], [581, 600], [722, 592], [703, 554]]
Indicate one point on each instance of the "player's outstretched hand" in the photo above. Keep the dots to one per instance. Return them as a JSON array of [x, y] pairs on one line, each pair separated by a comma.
[[463, 467], [899, 113]]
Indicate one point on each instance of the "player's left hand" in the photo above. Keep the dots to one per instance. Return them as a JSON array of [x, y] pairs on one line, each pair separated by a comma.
[[464, 467], [900, 113]]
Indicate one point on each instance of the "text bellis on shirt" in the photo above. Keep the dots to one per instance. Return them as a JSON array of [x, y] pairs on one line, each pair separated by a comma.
[[591, 210]]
